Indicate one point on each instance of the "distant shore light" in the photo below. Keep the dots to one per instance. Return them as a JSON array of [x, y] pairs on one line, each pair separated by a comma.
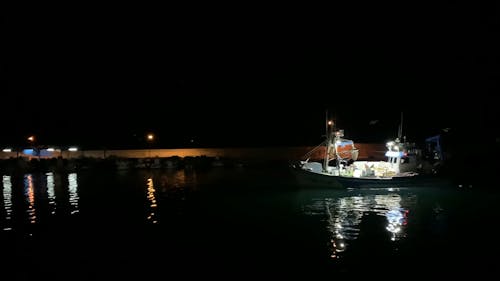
[[73, 149], [7, 150]]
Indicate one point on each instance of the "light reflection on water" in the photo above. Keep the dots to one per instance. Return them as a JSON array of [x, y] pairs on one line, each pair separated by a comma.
[[37, 200], [344, 215], [152, 200], [73, 193], [7, 201], [168, 190], [29, 193], [46, 195], [51, 194]]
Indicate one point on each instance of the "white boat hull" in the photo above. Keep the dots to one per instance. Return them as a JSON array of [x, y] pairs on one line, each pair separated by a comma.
[[308, 178]]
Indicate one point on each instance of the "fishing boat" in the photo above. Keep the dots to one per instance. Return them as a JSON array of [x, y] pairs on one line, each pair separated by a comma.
[[340, 166]]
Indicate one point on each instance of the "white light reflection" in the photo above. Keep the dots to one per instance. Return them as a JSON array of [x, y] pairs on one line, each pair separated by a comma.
[[7, 201], [396, 219], [73, 192], [152, 200], [345, 214], [396, 215], [51, 192]]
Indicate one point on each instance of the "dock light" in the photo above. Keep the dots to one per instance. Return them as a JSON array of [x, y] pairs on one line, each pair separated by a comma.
[[51, 149], [7, 150], [73, 149]]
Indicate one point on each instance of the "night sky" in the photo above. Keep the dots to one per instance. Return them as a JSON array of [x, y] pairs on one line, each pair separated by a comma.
[[247, 76]]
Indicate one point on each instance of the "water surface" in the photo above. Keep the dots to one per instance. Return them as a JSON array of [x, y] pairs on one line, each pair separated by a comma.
[[238, 221]]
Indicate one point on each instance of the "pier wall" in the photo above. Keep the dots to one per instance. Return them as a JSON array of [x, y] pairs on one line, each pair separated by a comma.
[[366, 151]]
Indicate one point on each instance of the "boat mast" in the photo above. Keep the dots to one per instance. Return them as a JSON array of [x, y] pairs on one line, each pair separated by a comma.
[[327, 142], [329, 129], [400, 129]]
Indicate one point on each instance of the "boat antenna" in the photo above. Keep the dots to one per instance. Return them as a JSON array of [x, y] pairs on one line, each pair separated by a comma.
[[400, 129]]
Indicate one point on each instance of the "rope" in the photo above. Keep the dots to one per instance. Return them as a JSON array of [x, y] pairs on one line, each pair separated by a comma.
[[308, 154]]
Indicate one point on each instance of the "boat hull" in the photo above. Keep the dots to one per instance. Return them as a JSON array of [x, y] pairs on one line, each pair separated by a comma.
[[310, 179]]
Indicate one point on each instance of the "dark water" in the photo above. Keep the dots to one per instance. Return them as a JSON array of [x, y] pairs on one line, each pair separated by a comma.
[[233, 223]]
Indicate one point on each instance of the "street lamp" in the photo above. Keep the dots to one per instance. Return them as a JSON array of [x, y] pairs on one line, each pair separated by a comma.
[[31, 140], [150, 138]]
